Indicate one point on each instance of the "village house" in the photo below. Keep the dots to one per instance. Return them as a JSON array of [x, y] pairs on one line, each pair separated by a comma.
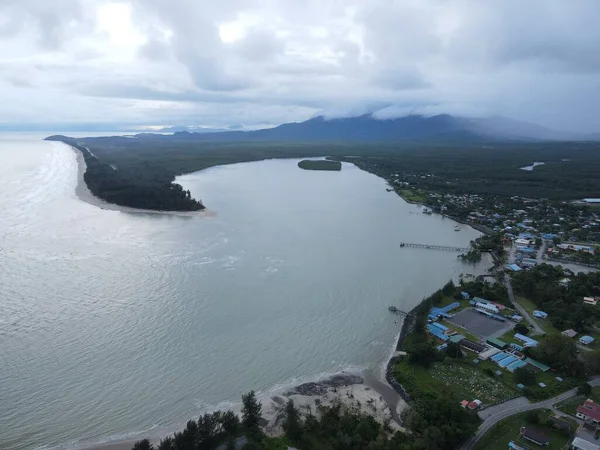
[[586, 340], [569, 333], [534, 435], [589, 411]]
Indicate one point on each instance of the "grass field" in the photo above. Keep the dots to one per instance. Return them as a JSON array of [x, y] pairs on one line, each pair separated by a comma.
[[466, 381], [498, 437], [469, 383], [535, 392], [412, 196]]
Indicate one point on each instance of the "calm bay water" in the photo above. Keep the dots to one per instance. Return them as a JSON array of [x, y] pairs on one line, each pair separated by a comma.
[[115, 325]]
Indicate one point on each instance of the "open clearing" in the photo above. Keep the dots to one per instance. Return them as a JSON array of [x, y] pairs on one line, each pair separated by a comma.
[[470, 383], [478, 323]]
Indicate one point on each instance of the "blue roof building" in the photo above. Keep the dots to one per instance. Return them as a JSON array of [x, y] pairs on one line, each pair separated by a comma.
[[513, 267], [465, 295], [437, 332], [586, 340], [526, 340], [440, 326], [539, 314], [526, 249], [435, 313]]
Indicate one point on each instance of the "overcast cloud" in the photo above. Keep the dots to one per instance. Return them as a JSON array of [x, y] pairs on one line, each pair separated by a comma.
[[261, 62]]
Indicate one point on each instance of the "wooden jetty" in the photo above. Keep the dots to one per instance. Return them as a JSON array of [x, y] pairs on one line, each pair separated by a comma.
[[399, 311], [435, 247]]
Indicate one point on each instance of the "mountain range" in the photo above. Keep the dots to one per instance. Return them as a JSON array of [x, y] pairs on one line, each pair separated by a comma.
[[443, 128]]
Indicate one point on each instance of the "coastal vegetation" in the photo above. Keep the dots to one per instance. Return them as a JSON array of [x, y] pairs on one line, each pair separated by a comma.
[[472, 256], [132, 187], [320, 164], [434, 423], [147, 164]]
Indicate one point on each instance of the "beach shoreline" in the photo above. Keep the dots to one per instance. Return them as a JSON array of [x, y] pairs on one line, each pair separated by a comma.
[[84, 194], [363, 391]]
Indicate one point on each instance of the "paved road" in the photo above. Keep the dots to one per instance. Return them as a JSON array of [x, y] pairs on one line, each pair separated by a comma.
[[540, 252], [519, 308], [516, 406]]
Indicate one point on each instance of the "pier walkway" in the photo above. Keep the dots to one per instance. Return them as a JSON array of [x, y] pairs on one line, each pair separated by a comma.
[[435, 247]]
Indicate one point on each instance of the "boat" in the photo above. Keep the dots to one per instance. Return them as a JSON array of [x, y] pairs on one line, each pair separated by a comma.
[[426, 211], [393, 309], [389, 189], [401, 244], [457, 228]]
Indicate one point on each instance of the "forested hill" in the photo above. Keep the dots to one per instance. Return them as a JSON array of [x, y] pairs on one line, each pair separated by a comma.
[[134, 187], [441, 128]]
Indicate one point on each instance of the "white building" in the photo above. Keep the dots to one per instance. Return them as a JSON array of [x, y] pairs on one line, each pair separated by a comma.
[[487, 307]]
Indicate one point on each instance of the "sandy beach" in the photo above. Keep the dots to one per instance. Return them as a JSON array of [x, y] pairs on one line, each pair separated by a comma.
[[359, 392], [85, 195]]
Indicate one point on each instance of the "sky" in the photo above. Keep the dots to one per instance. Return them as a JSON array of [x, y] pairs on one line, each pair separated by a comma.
[[255, 63]]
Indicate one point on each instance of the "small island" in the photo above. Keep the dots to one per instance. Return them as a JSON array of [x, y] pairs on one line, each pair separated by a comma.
[[320, 164]]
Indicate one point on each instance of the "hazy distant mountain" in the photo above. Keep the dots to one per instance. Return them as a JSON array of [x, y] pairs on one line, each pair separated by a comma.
[[191, 129], [505, 128], [443, 128]]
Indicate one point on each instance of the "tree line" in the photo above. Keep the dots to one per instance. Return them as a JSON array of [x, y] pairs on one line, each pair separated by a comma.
[[147, 165], [135, 188], [434, 424]]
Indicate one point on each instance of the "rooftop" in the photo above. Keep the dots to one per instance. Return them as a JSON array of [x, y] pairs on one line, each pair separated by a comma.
[[586, 339], [569, 333], [590, 409], [581, 444], [534, 435]]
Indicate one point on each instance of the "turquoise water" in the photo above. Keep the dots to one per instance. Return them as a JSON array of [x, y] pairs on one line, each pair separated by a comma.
[[116, 325]]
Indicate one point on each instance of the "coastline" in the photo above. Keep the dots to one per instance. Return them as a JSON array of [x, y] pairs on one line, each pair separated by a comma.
[[84, 194], [361, 391], [374, 391], [475, 226], [371, 391], [407, 326]]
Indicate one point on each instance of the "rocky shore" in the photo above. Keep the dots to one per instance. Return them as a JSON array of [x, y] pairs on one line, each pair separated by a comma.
[[407, 327], [349, 389]]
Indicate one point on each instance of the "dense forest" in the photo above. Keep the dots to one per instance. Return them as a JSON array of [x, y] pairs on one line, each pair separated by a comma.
[[563, 303], [492, 170], [320, 164], [148, 164], [132, 187]]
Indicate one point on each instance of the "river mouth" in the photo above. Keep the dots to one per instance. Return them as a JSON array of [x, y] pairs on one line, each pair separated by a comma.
[[118, 325]]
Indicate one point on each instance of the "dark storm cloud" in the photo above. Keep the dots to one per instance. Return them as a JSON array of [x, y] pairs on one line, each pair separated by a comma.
[[267, 61]]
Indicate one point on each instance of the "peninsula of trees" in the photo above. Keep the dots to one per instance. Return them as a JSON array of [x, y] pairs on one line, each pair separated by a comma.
[[135, 187]]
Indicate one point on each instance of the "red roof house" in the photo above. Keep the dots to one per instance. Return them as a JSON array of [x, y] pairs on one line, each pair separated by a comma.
[[589, 411]]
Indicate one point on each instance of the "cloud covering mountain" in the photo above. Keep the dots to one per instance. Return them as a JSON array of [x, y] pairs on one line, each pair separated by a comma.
[[265, 62]]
